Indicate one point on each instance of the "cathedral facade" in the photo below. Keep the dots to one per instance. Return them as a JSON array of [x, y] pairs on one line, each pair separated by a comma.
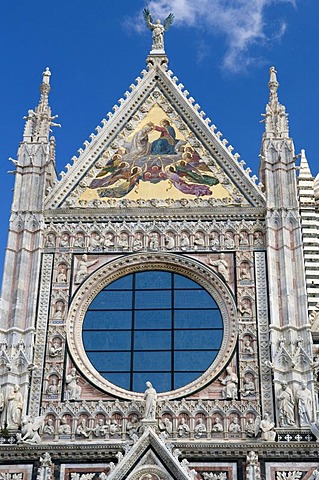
[[160, 313]]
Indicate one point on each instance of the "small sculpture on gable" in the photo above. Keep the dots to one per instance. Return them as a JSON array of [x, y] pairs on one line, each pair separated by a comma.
[[157, 29]]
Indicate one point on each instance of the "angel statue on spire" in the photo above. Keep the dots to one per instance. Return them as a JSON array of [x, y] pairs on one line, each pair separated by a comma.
[[157, 28]]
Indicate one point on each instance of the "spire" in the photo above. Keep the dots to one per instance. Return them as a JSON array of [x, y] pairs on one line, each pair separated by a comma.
[[39, 121], [276, 118], [304, 171]]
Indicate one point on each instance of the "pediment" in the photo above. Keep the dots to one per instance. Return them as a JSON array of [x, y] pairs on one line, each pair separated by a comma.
[[155, 150], [150, 458]]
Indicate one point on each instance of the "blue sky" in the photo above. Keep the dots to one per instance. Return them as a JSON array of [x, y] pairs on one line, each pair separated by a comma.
[[221, 51]]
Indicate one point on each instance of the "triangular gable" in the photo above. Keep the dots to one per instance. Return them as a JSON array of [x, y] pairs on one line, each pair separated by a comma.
[[194, 168], [151, 456]]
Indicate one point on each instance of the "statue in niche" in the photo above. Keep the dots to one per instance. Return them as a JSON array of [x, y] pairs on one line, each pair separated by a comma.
[[73, 389], [199, 241], [250, 428], [64, 428], [50, 241], [184, 241], [150, 398], [123, 241], [48, 428], [217, 426], [115, 427], [108, 240], [252, 468], [58, 310], [243, 239], [61, 276], [267, 429], [247, 348], [14, 407], [229, 241], [95, 242], [214, 241], [101, 428], [304, 403], [137, 242], [200, 428], [166, 426], [249, 386], [183, 428], [169, 241], [133, 426], [65, 240], [79, 241], [244, 272], [157, 28], [53, 387], [246, 308], [83, 266], [82, 429], [230, 382], [234, 426], [55, 348], [258, 239], [286, 404], [153, 241], [222, 266]]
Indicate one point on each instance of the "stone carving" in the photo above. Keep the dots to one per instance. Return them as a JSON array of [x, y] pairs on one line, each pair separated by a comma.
[[304, 403], [64, 428], [14, 407], [45, 469], [267, 429], [214, 241], [82, 270], [292, 475], [2, 412], [55, 348], [215, 476], [115, 427], [65, 240], [30, 430], [137, 242], [82, 430], [252, 467], [49, 428], [150, 397], [58, 311], [286, 404], [133, 427], [169, 241], [154, 241], [108, 241], [123, 241], [101, 428], [244, 272], [157, 28], [258, 239], [229, 241], [53, 387], [315, 474], [246, 308], [234, 426], [230, 382], [247, 348], [166, 427], [184, 241], [217, 426], [222, 266], [200, 429], [249, 386], [79, 241], [61, 276], [50, 241], [11, 476], [250, 428], [183, 428], [199, 241], [243, 239], [95, 242], [73, 389]]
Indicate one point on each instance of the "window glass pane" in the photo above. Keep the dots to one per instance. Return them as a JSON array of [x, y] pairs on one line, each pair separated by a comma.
[[181, 379], [153, 280], [197, 339], [112, 300], [153, 319], [111, 361], [102, 320], [124, 283], [152, 340], [155, 299], [193, 299], [120, 379], [184, 282], [99, 340], [197, 319], [161, 381], [152, 361], [200, 360]]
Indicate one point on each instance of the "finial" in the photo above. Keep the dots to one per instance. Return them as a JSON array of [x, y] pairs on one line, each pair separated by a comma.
[[157, 30], [46, 76], [273, 83]]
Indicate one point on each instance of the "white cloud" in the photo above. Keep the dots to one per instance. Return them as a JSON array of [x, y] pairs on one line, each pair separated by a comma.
[[241, 22]]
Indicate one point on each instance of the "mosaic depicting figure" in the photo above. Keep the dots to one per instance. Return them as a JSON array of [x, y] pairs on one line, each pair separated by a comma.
[[165, 158]]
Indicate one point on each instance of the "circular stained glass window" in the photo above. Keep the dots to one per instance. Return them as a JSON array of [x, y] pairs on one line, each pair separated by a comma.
[[152, 325]]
